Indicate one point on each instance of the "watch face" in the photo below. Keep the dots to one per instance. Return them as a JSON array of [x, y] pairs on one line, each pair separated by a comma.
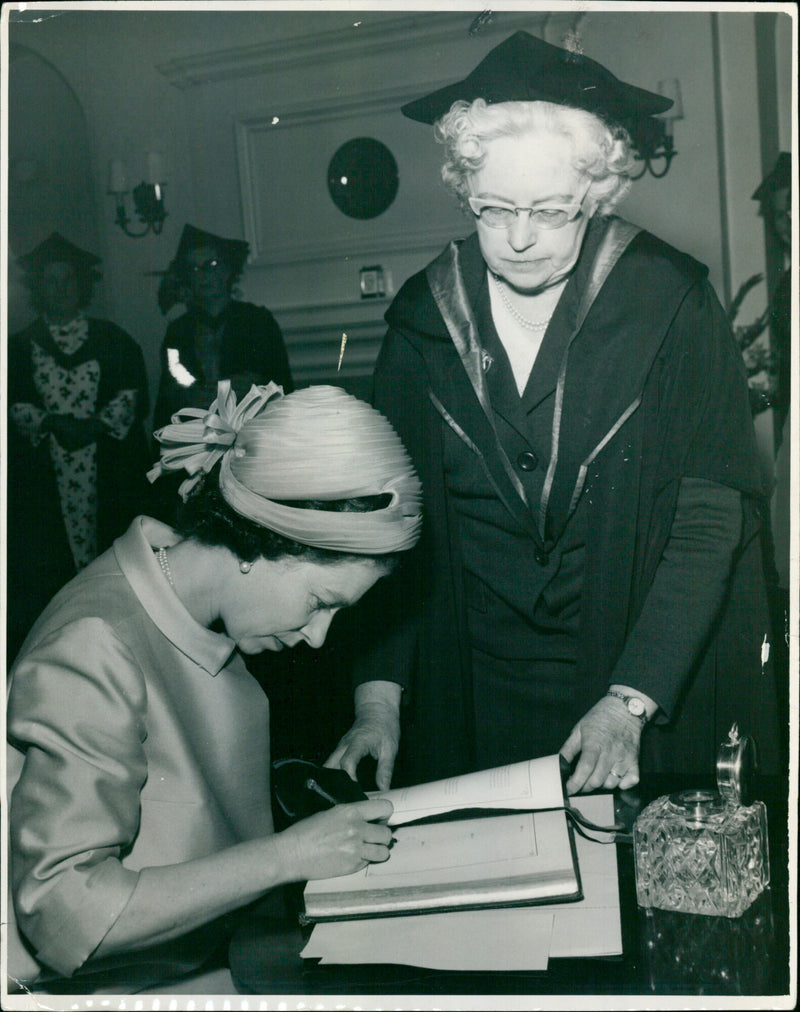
[[636, 706]]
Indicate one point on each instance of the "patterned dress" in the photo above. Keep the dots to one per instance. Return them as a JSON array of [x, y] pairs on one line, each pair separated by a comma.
[[74, 392], [67, 505]]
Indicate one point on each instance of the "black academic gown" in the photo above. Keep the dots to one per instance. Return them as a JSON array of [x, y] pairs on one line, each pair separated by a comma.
[[637, 385], [250, 342]]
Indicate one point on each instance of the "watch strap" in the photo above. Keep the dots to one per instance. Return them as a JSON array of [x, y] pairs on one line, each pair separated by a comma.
[[627, 700]]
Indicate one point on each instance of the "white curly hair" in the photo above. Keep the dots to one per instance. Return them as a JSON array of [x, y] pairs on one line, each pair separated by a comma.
[[601, 152]]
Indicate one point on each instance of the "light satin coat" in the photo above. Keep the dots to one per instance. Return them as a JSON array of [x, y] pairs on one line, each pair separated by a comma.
[[142, 740]]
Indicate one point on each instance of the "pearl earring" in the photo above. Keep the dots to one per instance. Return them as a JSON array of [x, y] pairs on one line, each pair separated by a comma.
[[244, 567]]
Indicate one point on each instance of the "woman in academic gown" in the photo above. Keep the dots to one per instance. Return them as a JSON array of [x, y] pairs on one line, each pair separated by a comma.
[[218, 336], [77, 452], [589, 579]]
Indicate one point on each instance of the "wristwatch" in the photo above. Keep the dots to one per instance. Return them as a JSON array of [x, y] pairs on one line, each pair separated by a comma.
[[635, 704]]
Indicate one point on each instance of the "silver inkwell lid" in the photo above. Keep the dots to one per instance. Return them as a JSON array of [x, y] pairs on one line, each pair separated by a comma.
[[736, 763]]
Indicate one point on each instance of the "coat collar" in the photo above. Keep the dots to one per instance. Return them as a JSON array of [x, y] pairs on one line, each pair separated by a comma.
[[135, 553]]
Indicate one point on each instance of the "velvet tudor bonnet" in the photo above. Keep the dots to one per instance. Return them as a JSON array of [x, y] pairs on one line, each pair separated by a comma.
[[525, 68]]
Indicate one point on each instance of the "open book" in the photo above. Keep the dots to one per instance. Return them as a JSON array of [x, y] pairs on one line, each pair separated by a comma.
[[490, 860]]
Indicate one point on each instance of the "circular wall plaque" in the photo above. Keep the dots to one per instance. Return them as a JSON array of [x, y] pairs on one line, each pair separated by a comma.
[[362, 178]]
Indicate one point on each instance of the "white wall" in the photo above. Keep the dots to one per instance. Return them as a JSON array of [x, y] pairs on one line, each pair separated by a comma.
[[185, 82], [50, 186]]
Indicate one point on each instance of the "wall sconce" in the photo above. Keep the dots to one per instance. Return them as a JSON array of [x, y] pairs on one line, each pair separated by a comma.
[[148, 196], [653, 138]]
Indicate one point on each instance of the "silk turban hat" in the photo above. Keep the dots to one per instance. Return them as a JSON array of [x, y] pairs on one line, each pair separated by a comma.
[[319, 443]]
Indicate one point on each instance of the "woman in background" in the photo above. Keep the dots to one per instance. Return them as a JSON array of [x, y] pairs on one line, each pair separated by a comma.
[[139, 758], [218, 337], [77, 452]]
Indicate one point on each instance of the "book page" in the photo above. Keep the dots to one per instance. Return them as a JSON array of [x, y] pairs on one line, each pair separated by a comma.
[[448, 846], [530, 785]]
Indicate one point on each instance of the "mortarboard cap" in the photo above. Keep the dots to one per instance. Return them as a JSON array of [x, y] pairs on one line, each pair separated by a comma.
[[525, 68], [779, 179], [234, 251], [56, 249]]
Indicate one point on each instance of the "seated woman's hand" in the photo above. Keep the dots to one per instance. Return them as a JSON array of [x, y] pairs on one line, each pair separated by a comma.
[[339, 841], [607, 740]]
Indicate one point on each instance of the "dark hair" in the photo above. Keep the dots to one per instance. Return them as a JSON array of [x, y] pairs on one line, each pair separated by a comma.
[[207, 517], [85, 275]]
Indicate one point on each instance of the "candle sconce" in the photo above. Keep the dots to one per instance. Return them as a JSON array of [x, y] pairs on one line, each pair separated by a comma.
[[653, 136], [148, 197]]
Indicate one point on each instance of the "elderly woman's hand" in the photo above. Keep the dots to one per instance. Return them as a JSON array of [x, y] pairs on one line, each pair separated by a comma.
[[607, 738], [375, 732], [340, 841]]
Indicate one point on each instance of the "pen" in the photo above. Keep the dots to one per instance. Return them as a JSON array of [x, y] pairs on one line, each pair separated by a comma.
[[312, 785]]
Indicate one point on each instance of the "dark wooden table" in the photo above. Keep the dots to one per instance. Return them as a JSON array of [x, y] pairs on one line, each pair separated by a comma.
[[664, 953]]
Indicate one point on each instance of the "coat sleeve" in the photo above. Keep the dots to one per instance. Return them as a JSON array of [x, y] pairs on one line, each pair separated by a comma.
[[694, 570], [276, 365], [21, 388], [76, 712], [705, 428], [163, 406], [389, 617], [702, 478], [130, 372]]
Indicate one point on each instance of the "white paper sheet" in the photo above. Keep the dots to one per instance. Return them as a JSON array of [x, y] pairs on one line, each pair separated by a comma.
[[509, 938], [592, 926]]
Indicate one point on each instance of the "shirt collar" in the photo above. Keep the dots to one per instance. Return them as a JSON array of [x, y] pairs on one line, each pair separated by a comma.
[[135, 553]]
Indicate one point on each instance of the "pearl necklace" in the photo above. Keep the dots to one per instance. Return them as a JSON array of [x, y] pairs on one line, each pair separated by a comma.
[[163, 561], [535, 325]]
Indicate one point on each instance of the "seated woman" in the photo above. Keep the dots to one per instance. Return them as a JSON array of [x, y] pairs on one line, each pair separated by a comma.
[[139, 744], [77, 452]]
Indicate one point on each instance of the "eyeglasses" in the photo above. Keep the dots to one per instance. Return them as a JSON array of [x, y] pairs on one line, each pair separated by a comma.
[[207, 266], [497, 214]]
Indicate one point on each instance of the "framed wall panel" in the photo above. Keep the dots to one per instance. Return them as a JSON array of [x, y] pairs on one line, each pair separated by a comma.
[[289, 215]]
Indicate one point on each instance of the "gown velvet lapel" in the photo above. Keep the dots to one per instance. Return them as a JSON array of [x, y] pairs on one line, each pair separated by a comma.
[[450, 278]]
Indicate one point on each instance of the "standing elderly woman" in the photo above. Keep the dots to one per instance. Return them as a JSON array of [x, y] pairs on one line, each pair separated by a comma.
[[139, 760], [77, 452], [570, 392]]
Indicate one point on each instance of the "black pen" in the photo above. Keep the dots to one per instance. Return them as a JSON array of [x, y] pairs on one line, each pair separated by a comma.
[[312, 785]]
